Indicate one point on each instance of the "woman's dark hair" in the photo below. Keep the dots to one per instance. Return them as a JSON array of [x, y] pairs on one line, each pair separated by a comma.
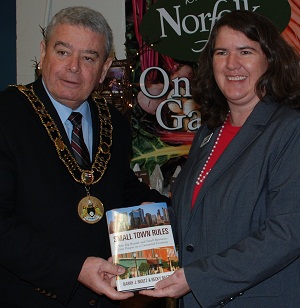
[[281, 80]]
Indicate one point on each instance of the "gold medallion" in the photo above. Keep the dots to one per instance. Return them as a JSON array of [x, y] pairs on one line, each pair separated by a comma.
[[90, 209]]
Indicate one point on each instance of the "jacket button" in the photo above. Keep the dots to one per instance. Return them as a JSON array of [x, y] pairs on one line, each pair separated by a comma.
[[92, 302], [190, 248]]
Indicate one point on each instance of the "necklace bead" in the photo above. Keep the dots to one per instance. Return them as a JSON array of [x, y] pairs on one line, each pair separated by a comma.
[[203, 174]]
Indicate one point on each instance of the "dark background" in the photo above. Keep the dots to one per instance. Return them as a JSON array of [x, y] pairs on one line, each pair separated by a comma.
[[8, 70]]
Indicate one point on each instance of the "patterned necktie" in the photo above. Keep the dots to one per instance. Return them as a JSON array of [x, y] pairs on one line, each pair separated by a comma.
[[79, 147]]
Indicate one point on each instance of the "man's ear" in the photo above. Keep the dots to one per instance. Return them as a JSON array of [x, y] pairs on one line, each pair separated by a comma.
[[105, 68], [42, 53]]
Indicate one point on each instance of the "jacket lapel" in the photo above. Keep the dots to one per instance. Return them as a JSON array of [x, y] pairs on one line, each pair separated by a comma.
[[185, 183], [96, 127], [251, 129], [43, 96]]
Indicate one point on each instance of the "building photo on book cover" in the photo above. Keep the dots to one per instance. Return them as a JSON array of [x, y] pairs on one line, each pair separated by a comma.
[[142, 242]]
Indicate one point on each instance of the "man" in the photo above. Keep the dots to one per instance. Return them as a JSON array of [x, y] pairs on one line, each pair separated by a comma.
[[52, 196]]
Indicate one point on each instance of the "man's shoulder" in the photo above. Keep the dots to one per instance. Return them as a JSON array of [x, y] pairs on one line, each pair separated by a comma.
[[10, 96]]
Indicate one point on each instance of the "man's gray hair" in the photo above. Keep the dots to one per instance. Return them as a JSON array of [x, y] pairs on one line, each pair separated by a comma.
[[82, 16]]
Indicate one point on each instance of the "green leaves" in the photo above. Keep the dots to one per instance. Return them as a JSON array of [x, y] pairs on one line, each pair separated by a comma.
[[149, 150]]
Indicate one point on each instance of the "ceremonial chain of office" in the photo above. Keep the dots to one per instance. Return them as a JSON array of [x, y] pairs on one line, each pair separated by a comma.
[[86, 177]]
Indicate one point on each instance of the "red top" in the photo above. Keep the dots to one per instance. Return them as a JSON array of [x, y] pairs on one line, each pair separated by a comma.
[[227, 135]]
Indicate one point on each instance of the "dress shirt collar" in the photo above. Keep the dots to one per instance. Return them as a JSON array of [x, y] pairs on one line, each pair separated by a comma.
[[64, 111]]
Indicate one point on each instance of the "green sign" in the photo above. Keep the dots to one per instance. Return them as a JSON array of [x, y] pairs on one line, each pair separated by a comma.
[[180, 28]]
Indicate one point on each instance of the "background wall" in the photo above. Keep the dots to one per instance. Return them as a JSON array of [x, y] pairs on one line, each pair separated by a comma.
[[33, 14], [8, 47]]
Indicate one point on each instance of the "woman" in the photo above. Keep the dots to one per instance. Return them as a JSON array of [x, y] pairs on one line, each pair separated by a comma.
[[237, 198]]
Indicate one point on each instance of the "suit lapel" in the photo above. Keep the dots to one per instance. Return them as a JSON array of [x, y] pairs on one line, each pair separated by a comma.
[[96, 127], [185, 183], [252, 128], [43, 96]]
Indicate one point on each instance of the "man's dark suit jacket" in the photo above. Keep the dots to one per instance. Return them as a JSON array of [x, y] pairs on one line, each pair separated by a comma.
[[43, 241]]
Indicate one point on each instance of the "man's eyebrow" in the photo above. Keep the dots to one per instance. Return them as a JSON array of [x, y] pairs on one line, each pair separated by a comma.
[[92, 52], [58, 43], [67, 45]]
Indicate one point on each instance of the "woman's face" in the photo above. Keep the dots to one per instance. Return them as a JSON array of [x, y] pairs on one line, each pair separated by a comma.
[[238, 63]]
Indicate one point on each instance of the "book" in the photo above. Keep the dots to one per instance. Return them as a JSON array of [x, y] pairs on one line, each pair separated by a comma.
[[141, 241]]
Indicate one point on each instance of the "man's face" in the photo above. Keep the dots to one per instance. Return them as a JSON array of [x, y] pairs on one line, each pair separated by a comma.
[[73, 63]]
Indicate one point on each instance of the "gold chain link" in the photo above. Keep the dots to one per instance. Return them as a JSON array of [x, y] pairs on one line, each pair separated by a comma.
[[86, 177]]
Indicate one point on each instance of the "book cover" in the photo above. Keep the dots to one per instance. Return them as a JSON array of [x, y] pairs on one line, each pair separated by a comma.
[[142, 242]]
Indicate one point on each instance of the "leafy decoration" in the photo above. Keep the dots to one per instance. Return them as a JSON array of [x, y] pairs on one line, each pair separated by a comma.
[[149, 150]]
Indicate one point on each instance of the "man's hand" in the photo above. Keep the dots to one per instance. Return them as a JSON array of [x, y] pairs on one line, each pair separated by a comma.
[[174, 286], [96, 274]]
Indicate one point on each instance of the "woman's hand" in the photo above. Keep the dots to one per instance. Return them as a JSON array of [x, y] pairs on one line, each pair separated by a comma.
[[174, 286]]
